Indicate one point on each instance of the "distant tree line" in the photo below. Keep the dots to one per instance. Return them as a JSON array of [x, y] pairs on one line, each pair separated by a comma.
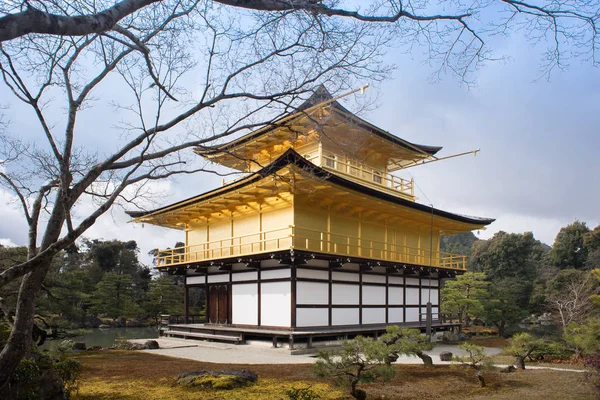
[[93, 282], [512, 276]]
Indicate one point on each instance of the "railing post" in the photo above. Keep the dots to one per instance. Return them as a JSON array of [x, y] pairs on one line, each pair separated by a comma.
[[321, 246]]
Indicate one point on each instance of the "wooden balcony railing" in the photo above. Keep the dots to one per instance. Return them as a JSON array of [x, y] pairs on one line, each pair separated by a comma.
[[358, 172], [366, 175], [293, 237], [346, 245]]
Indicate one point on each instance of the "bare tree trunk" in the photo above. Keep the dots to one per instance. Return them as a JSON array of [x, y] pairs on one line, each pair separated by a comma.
[[426, 358], [19, 341], [520, 362], [481, 379]]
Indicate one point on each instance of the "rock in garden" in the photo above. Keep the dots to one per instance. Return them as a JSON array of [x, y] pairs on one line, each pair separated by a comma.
[[151, 344], [79, 346], [445, 356], [510, 368], [91, 321], [223, 380], [134, 323]]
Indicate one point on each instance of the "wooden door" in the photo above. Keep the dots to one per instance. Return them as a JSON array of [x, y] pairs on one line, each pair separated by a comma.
[[213, 304], [223, 304], [218, 304]]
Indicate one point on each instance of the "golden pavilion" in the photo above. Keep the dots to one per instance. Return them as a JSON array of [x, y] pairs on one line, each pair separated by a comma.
[[318, 238]]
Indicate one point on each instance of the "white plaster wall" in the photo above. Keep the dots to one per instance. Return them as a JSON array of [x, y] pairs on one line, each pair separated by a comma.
[[373, 278], [344, 294], [345, 276], [412, 296], [373, 316], [396, 315], [412, 314], [312, 317], [396, 295], [275, 274], [434, 282], [352, 266], [218, 278], [244, 276], [244, 304], [425, 296], [194, 280], [275, 307], [318, 263], [312, 274], [434, 311], [344, 316], [412, 281], [398, 280], [312, 293], [373, 295]]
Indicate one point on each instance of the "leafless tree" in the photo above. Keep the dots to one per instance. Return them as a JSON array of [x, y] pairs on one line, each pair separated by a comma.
[[184, 74], [180, 75], [570, 298]]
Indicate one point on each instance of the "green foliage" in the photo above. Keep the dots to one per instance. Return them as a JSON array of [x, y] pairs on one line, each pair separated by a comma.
[[500, 308], [301, 393], [114, 296], [405, 341], [595, 298], [569, 250], [68, 370], [467, 294], [475, 359], [551, 351], [507, 255], [364, 360], [584, 337], [360, 360], [522, 345], [461, 243], [24, 381], [591, 240], [164, 297]]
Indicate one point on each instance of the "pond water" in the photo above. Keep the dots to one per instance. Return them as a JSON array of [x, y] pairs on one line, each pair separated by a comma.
[[107, 337]]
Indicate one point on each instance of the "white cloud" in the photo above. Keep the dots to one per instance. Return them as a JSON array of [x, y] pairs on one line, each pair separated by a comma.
[[7, 242]]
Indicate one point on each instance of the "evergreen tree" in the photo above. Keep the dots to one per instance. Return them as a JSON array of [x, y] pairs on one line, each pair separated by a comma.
[[569, 250]]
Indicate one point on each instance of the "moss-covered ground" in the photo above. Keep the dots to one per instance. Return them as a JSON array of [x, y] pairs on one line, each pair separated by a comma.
[[132, 375]]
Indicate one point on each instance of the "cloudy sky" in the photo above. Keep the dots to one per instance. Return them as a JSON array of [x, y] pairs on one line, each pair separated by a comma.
[[537, 170]]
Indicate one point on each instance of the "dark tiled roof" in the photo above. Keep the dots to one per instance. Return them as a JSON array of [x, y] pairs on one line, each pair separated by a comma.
[[320, 95]]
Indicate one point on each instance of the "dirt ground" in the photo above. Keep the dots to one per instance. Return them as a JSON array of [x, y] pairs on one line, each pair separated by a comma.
[[131, 375]]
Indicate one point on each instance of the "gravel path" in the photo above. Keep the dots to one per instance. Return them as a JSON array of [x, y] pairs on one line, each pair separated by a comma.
[[263, 353]]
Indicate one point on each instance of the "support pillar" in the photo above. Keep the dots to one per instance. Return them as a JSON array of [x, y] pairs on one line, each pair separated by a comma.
[[186, 304], [428, 321]]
